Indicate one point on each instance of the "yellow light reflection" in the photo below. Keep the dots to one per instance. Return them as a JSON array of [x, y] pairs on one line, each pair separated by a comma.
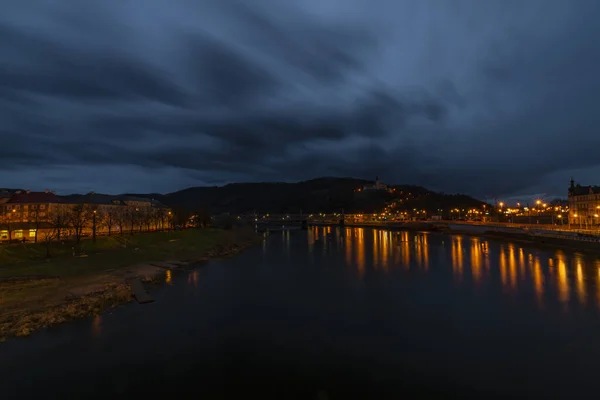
[[538, 280], [375, 249], [97, 326], [503, 278], [598, 282], [168, 276], [405, 250], [193, 278], [485, 254], [476, 258], [522, 264], [425, 251], [512, 265], [360, 251], [385, 248], [457, 256], [563, 280], [348, 243], [580, 281]]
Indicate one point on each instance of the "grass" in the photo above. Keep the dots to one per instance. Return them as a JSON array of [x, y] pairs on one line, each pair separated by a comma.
[[108, 253], [43, 291]]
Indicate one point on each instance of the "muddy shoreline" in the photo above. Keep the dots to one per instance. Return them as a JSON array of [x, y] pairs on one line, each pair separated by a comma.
[[109, 291]]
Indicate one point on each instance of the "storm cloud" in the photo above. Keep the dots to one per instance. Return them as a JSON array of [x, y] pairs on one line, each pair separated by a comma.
[[494, 98]]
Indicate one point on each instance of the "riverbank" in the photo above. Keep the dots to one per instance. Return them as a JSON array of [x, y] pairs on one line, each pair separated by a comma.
[[37, 292]]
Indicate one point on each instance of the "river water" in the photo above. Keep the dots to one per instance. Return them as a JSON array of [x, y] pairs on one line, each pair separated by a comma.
[[331, 313]]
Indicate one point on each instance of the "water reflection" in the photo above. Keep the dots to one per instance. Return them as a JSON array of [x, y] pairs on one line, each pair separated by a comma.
[[97, 326], [360, 250], [405, 248], [457, 256], [375, 248], [562, 280], [538, 279], [512, 265], [168, 277], [348, 245], [422, 250], [502, 265], [580, 281], [545, 276], [193, 278], [476, 260]]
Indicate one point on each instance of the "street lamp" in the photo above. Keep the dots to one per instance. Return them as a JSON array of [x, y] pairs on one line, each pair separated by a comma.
[[94, 226], [576, 216]]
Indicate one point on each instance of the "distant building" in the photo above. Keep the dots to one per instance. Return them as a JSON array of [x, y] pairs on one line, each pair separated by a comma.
[[376, 186], [584, 204], [24, 214]]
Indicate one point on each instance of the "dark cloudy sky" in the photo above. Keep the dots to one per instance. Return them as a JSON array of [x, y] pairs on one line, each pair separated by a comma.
[[492, 98]]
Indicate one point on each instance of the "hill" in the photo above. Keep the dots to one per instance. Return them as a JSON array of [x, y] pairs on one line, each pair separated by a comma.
[[322, 195]]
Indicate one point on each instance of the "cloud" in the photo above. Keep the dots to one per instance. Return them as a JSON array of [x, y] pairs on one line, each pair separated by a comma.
[[493, 102]]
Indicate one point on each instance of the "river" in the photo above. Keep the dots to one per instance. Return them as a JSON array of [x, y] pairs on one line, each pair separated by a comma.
[[353, 312]]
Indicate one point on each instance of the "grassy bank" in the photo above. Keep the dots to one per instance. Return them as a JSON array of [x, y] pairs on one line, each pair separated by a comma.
[[37, 291]]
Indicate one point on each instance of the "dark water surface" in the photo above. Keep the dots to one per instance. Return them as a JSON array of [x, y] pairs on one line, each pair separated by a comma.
[[357, 313]]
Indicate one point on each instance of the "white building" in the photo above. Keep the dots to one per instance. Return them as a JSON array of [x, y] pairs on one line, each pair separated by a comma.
[[377, 186]]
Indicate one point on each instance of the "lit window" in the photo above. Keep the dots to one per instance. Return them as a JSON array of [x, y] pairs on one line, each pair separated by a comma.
[[4, 235], [42, 206], [32, 233], [18, 234]]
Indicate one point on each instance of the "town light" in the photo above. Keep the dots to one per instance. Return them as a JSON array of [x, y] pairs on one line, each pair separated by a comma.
[[538, 202], [501, 204], [559, 216]]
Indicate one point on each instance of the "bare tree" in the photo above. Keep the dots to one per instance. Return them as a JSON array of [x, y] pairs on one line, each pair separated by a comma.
[[6, 222], [37, 220], [47, 237], [59, 222], [162, 217], [79, 218], [111, 218], [132, 217], [119, 214], [146, 217], [157, 218]]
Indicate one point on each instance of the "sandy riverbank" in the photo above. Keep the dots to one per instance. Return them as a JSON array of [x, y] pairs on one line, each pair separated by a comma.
[[67, 288]]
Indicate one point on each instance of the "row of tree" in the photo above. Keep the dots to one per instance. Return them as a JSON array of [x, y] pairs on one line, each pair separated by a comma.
[[82, 220]]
